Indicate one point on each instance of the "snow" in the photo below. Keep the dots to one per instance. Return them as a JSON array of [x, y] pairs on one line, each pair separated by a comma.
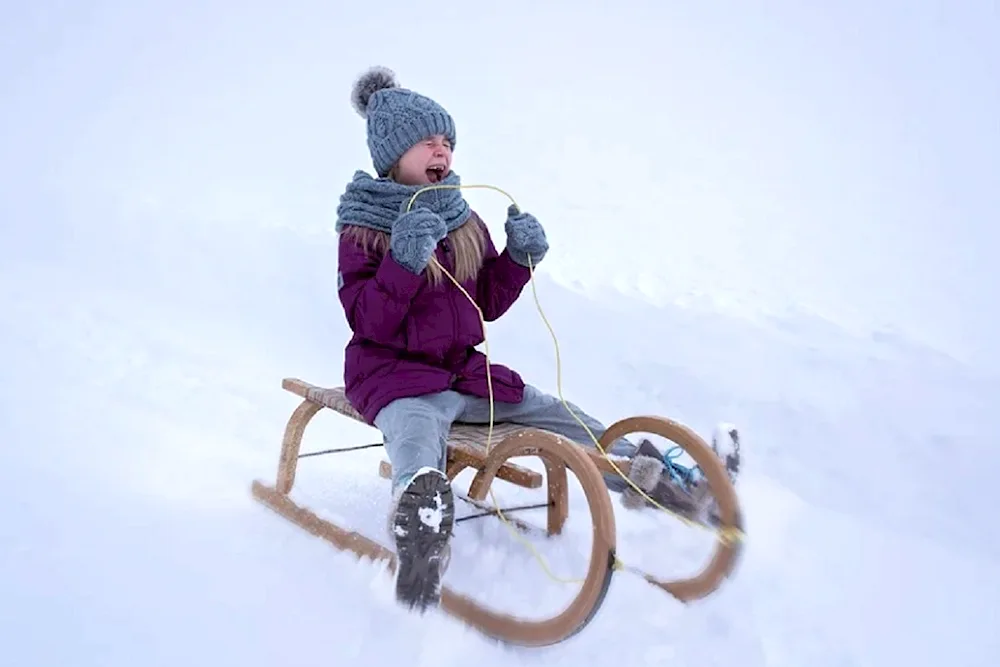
[[802, 213]]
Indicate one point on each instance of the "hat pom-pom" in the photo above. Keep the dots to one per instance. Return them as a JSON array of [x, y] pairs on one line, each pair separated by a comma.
[[375, 79]]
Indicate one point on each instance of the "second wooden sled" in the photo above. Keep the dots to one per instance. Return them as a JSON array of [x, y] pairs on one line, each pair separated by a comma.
[[466, 450]]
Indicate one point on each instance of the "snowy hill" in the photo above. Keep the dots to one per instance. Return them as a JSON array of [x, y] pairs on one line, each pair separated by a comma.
[[166, 257]]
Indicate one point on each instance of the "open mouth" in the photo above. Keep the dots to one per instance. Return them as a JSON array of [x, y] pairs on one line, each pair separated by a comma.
[[436, 173]]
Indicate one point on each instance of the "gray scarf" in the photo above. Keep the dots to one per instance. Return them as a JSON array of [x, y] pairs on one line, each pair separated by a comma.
[[376, 203]]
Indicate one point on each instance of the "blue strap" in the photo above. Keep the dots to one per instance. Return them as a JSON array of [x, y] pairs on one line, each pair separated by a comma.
[[681, 474]]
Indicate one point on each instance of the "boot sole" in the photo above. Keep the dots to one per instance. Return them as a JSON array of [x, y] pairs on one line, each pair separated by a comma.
[[422, 527]]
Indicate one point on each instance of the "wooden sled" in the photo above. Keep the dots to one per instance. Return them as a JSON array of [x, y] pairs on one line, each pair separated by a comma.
[[466, 450]]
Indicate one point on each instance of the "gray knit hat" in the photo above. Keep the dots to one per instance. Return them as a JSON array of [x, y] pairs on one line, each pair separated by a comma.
[[397, 118]]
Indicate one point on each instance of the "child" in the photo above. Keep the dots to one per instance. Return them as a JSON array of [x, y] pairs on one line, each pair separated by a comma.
[[411, 368]]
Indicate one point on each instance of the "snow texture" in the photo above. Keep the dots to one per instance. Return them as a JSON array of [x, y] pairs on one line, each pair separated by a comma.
[[802, 248]]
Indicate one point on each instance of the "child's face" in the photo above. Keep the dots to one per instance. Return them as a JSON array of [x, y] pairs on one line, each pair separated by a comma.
[[428, 161]]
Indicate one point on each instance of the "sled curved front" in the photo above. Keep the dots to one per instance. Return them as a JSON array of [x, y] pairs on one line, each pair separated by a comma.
[[727, 551], [558, 455]]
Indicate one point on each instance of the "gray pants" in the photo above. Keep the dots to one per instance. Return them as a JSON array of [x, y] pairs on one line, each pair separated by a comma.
[[416, 429]]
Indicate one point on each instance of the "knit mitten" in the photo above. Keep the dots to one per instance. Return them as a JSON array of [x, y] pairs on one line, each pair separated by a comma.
[[414, 237], [525, 236]]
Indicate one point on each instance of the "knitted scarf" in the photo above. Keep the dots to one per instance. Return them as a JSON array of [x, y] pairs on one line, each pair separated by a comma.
[[377, 202]]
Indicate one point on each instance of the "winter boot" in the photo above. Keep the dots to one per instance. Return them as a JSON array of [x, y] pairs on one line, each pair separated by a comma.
[[726, 445], [650, 473], [421, 523], [681, 490]]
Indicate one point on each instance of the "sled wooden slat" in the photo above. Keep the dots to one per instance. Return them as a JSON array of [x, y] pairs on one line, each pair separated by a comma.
[[465, 448]]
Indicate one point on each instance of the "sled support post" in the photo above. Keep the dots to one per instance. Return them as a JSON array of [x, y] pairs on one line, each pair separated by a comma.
[[558, 495], [291, 443]]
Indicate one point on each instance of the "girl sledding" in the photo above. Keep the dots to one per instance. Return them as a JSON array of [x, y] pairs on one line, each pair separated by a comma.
[[419, 275]]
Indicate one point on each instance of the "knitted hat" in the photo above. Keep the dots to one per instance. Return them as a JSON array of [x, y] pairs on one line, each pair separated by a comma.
[[397, 118]]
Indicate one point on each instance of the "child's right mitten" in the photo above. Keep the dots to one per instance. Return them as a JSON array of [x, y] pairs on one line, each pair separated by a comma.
[[414, 237]]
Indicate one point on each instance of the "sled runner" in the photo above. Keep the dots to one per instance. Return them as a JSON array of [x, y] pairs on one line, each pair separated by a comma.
[[466, 449]]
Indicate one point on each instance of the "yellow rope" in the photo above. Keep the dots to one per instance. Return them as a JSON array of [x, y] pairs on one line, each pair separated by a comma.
[[728, 535]]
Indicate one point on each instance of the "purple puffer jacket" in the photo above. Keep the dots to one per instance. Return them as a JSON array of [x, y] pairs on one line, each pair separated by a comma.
[[411, 338]]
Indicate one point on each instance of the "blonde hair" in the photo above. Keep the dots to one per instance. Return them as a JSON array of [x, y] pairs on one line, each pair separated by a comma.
[[468, 243]]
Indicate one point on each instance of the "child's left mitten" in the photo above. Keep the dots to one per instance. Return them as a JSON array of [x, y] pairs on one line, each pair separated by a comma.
[[525, 236]]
